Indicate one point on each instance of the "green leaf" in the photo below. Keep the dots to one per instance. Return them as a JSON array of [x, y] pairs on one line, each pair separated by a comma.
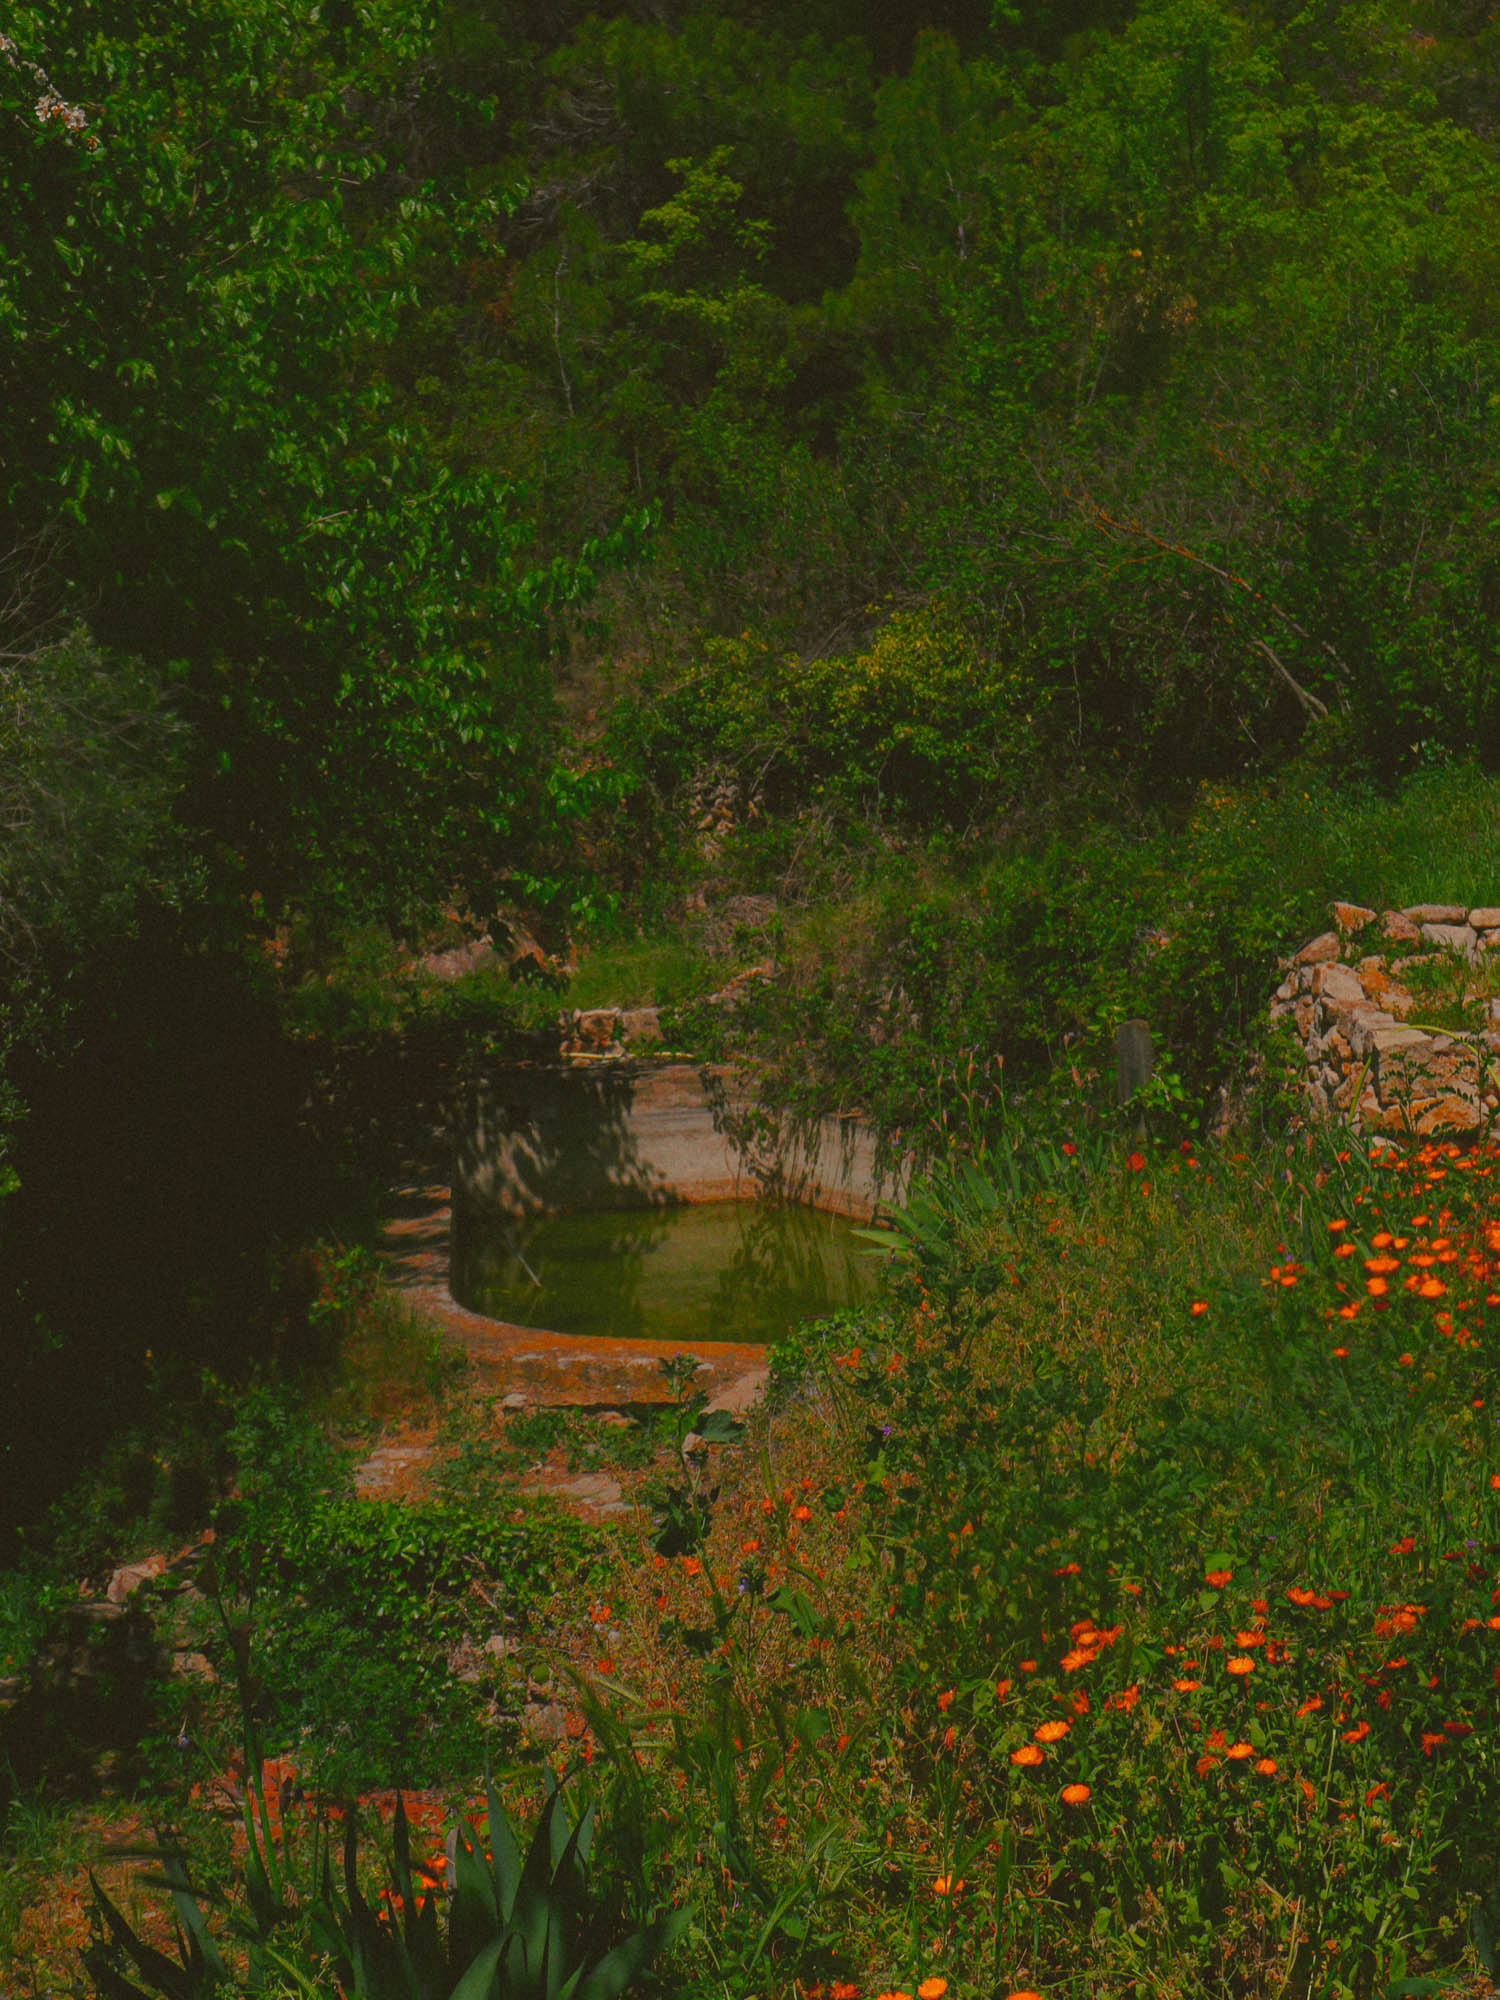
[[479, 1977]]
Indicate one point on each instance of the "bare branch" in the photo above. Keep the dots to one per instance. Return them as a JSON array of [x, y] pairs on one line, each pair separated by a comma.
[[1111, 525]]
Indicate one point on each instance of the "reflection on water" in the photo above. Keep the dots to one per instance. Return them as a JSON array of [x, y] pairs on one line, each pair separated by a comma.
[[731, 1270]]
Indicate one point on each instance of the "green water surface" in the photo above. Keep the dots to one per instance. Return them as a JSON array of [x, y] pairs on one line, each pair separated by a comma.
[[730, 1270]]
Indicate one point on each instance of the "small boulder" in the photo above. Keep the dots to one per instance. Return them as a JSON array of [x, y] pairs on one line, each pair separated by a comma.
[[455, 964], [1436, 913], [641, 1024], [1319, 951], [1451, 937], [1337, 984], [1485, 919], [127, 1580], [1351, 917], [1399, 928]]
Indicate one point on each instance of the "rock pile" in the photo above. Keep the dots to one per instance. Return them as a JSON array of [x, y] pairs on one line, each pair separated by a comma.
[[1363, 998]]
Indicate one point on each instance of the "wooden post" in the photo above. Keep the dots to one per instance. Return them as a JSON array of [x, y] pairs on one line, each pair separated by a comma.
[[1133, 1063]]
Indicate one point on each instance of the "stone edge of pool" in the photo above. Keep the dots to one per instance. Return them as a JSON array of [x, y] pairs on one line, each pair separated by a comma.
[[627, 1134]]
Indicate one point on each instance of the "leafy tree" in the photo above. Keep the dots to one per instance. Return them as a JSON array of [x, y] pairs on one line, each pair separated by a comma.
[[202, 280]]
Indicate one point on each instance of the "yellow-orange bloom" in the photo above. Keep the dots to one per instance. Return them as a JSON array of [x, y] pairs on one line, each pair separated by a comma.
[[1240, 1751], [1266, 1766], [1217, 1578], [1028, 1756], [1240, 1665], [932, 1989], [1052, 1732], [1185, 1687], [947, 1885], [1075, 1795]]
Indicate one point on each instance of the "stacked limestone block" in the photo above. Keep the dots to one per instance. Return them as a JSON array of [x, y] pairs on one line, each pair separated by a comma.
[[1369, 1058]]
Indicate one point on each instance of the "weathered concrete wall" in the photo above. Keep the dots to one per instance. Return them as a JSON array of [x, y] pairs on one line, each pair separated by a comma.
[[637, 1134], [1370, 1057]]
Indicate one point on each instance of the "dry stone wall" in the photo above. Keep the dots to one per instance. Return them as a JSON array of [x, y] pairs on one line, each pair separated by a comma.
[[1363, 998]]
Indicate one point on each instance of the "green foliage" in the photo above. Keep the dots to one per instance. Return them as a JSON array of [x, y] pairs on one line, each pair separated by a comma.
[[1028, 956], [91, 761], [920, 724], [1238, 1594], [203, 288], [513, 1925], [352, 1607]]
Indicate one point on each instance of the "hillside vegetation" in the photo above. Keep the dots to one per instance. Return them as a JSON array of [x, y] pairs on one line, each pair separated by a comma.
[[982, 515]]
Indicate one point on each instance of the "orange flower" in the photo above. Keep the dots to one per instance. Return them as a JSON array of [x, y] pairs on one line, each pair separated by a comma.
[[1027, 1666], [1186, 1687], [932, 1989], [843, 1989], [1341, 1354], [947, 1885], [1358, 1733], [1052, 1732], [1206, 1764], [1343, 1250], [1240, 1751], [1198, 1308], [1075, 1795], [1002, 1689], [691, 1566], [1338, 1223], [1028, 1756], [1266, 1767], [1136, 1162], [1240, 1665], [1307, 1791], [1308, 1707], [1217, 1578], [1431, 1738], [945, 1700], [1495, 1482], [1125, 1700], [1023, 1993]]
